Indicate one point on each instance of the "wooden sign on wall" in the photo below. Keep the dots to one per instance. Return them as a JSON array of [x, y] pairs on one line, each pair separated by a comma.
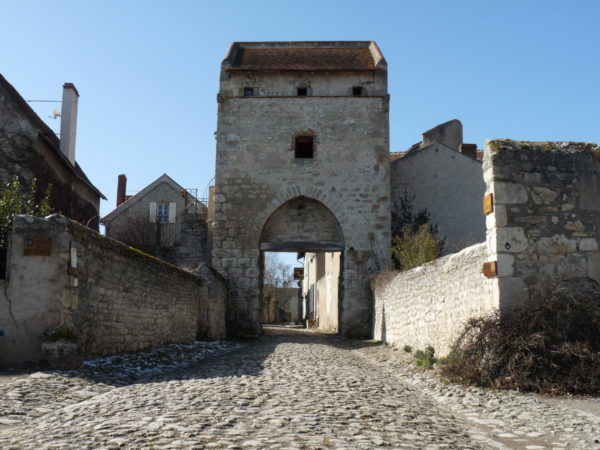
[[298, 273], [488, 204], [490, 269], [37, 246]]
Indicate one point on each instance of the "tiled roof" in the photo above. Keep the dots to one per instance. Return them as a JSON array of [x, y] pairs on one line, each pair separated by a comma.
[[309, 56], [396, 155]]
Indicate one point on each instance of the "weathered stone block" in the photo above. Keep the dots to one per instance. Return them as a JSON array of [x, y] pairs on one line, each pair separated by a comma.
[[508, 193], [512, 292], [593, 263], [558, 243], [588, 245], [543, 196], [505, 264], [589, 191], [508, 240], [498, 218]]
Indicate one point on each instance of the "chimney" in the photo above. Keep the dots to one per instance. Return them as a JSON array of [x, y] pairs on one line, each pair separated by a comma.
[[469, 150], [121, 187], [68, 121]]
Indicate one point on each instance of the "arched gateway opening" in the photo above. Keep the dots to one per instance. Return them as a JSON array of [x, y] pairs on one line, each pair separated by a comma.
[[308, 228]]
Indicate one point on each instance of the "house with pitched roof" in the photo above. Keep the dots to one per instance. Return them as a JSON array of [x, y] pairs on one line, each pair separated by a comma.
[[163, 219], [30, 150], [442, 175]]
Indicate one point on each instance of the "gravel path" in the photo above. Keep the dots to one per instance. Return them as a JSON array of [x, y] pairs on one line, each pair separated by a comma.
[[290, 389]]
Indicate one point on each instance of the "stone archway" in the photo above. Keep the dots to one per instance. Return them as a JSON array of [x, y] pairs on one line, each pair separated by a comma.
[[302, 224], [307, 226]]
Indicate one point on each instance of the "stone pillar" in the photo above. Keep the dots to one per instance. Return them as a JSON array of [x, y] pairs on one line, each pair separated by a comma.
[[545, 223]]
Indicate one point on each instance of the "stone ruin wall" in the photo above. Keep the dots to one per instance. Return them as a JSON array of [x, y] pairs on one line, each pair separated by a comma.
[[543, 227], [116, 298]]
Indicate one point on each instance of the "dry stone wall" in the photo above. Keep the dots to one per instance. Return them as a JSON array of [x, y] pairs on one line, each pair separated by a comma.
[[429, 305]]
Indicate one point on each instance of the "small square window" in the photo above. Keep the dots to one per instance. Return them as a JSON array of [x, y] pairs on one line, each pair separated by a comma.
[[303, 147], [302, 91], [162, 212], [248, 91], [357, 90]]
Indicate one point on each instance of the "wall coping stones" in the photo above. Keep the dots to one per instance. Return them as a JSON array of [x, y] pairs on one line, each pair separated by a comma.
[[499, 145]]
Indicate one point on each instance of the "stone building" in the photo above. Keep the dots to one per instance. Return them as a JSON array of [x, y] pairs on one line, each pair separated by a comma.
[[281, 305], [163, 219], [444, 176], [30, 149], [302, 166], [320, 290]]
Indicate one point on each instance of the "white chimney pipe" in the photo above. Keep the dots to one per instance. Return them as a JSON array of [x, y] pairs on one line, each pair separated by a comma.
[[68, 121]]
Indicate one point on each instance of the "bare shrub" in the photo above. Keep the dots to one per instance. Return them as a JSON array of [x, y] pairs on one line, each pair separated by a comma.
[[551, 345]]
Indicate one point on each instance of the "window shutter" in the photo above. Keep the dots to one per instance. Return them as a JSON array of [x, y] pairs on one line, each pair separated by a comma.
[[152, 214], [172, 212]]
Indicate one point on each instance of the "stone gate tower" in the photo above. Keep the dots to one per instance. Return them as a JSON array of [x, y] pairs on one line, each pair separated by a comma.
[[302, 166]]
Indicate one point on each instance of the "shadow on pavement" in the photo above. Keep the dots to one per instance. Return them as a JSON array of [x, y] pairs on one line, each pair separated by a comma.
[[247, 360], [180, 362]]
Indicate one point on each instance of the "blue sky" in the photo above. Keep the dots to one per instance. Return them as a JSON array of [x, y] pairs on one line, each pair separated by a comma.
[[148, 71]]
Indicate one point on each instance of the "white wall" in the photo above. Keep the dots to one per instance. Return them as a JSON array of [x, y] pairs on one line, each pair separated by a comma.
[[430, 304], [450, 186]]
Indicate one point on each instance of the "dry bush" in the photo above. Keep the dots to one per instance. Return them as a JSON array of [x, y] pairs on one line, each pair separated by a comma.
[[550, 346]]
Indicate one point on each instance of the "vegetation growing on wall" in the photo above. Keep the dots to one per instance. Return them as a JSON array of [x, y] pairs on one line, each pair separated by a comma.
[[415, 241], [551, 345], [17, 199]]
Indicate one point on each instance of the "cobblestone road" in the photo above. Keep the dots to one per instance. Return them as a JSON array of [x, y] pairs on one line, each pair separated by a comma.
[[290, 389]]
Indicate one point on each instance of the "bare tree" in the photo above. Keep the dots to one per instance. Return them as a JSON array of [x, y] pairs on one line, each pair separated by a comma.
[[277, 273]]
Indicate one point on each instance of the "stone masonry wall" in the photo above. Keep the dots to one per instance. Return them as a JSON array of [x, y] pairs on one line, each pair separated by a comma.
[[190, 248], [429, 305], [116, 298], [545, 224], [123, 300]]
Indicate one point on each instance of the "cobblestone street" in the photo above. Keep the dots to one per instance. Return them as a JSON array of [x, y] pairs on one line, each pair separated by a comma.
[[290, 389]]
